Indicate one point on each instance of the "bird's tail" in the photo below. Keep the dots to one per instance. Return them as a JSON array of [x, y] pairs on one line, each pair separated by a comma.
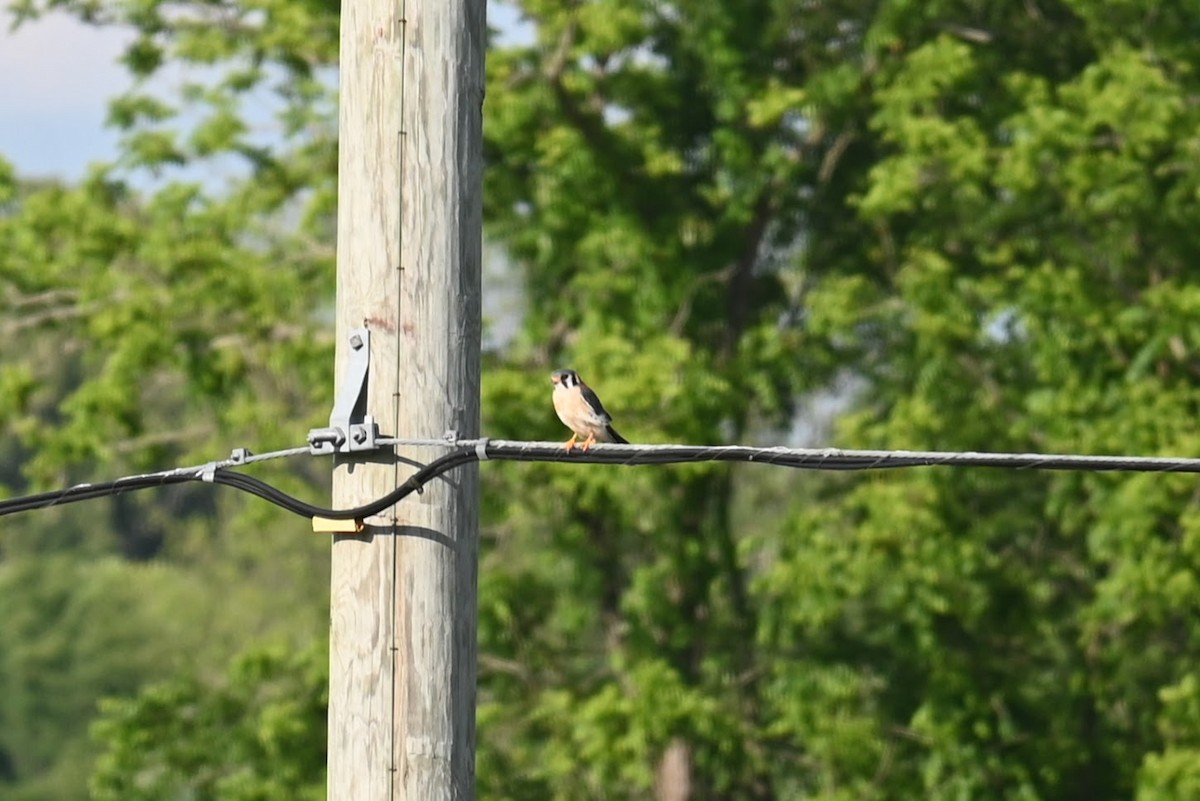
[[617, 438]]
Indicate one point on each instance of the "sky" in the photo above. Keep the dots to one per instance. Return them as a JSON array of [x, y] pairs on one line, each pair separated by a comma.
[[56, 77]]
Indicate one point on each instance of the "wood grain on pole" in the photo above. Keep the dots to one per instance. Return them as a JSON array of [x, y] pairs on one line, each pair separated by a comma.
[[402, 640]]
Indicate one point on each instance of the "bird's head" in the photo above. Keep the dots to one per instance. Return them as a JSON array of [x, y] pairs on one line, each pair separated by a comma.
[[566, 379]]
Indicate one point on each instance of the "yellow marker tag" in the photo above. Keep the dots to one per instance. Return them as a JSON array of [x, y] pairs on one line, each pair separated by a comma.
[[325, 525]]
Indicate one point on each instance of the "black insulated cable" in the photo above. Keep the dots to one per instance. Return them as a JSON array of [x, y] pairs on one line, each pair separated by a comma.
[[467, 451]]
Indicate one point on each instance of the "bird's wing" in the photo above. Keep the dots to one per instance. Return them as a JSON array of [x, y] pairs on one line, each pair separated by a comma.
[[593, 400]]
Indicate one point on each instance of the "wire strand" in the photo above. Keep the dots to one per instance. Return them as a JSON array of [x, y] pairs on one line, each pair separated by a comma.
[[466, 451], [829, 458]]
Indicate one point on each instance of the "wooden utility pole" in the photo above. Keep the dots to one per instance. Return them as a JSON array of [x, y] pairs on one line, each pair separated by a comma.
[[403, 618]]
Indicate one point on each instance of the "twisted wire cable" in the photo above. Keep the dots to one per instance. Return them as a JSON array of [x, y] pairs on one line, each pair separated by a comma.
[[466, 451]]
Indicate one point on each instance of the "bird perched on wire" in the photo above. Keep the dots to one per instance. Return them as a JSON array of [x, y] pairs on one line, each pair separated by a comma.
[[581, 411]]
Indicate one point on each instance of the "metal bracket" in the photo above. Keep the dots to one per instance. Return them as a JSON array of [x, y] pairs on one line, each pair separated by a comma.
[[350, 427]]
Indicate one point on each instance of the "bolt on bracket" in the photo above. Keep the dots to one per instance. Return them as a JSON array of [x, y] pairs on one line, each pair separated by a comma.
[[350, 427]]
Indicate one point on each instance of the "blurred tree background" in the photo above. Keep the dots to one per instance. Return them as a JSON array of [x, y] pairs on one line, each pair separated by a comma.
[[951, 225]]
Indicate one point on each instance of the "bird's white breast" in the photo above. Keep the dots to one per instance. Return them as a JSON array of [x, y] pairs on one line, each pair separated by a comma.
[[574, 412]]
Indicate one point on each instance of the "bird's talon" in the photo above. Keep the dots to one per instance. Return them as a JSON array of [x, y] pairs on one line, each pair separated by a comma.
[[570, 444]]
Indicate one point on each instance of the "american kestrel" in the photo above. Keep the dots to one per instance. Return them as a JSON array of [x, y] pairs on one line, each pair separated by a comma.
[[581, 411]]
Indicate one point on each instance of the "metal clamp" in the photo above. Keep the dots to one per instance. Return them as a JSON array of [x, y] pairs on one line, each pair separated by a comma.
[[350, 427]]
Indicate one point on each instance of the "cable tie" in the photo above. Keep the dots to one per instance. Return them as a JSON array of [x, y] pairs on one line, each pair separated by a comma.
[[481, 449], [208, 472]]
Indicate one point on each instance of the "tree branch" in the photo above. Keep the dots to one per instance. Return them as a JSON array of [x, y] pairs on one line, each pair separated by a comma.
[[741, 281]]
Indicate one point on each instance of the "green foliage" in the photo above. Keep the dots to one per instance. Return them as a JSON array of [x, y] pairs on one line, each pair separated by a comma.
[[75, 631], [148, 323], [1012, 241], [257, 736]]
